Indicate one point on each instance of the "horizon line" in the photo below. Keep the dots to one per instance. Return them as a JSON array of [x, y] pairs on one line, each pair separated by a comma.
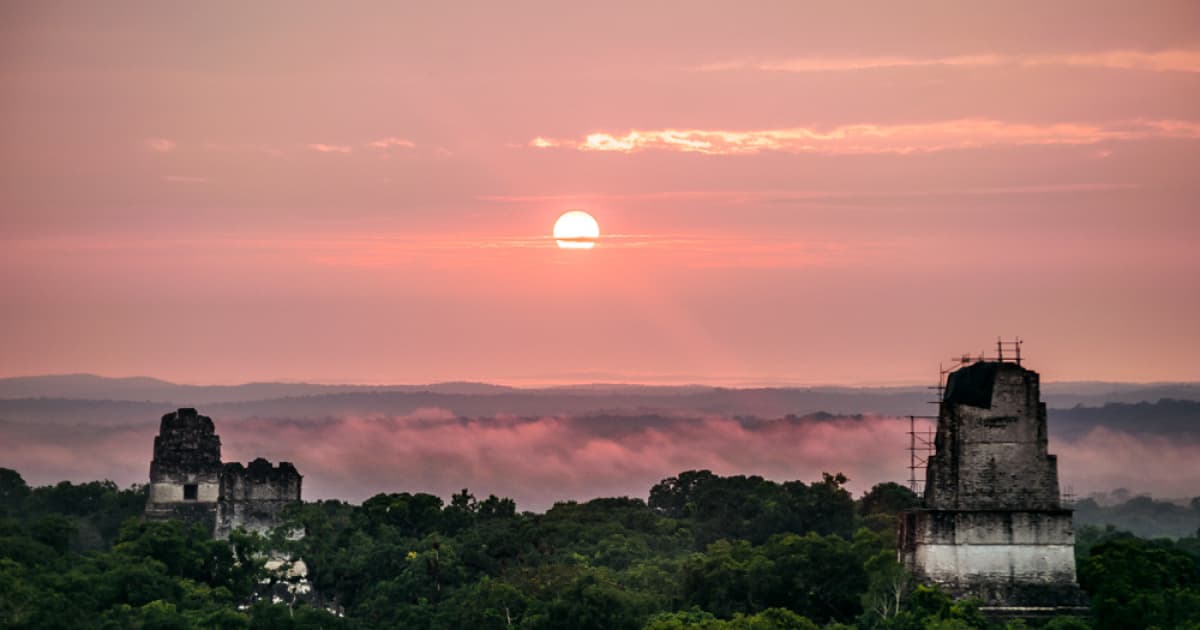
[[520, 383]]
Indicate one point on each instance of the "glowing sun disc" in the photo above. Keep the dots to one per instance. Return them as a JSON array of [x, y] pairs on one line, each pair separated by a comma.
[[576, 230]]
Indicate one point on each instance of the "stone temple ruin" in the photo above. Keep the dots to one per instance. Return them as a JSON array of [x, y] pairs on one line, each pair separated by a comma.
[[991, 525], [188, 480]]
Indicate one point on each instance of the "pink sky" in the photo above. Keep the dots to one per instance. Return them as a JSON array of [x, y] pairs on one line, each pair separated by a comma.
[[789, 192]]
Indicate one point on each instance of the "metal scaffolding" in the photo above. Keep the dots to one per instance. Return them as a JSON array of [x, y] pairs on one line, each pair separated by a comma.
[[921, 439], [920, 447]]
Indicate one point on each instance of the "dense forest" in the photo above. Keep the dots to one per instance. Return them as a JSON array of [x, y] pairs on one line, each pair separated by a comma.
[[704, 551]]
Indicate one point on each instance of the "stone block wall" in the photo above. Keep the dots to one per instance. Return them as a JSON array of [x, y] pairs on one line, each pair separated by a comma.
[[974, 553], [260, 481], [185, 472], [189, 482], [208, 490], [991, 443], [254, 496], [992, 526]]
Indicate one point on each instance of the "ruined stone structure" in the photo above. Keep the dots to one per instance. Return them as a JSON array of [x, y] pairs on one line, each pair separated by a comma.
[[188, 480], [991, 525]]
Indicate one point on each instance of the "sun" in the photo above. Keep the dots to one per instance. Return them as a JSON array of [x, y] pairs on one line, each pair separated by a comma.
[[576, 230]]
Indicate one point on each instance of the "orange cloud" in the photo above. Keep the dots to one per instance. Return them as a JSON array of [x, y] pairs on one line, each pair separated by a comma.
[[1162, 61], [330, 148], [796, 196], [844, 64], [874, 139], [1158, 61], [391, 141]]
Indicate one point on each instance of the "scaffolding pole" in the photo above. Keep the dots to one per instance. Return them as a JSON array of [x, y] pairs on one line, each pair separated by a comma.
[[920, 447]]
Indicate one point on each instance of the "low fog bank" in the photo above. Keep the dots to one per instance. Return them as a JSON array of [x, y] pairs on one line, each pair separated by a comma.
[[88, 399], [540, 460], [1143, 515]]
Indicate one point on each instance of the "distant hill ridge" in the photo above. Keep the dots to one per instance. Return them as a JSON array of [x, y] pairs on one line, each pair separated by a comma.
[[98, 400], [144, 388]]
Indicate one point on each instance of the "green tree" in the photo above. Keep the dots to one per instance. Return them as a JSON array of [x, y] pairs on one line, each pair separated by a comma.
[[595, 602], [880, 506], [1067, 623], [729, 577], [13, 491], [888, 586], [485, 605], [54, 531], [820, 577], [752, 508], [695, 619], [772, 619], [1136, 583]]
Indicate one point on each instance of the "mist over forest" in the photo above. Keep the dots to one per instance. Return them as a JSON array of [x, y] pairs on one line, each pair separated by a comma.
[[539, 446]]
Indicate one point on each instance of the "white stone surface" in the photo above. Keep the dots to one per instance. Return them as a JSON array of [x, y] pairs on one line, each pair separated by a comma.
[[165, 492], [1026, 563]]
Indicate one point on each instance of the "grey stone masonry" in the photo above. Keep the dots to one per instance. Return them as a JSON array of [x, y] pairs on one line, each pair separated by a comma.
[[185, 474], [991, 526], [990, 448], [254, 496], [189, 482]]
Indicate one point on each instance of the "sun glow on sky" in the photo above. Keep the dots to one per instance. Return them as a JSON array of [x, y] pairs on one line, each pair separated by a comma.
[[576, 230], [791, 194]]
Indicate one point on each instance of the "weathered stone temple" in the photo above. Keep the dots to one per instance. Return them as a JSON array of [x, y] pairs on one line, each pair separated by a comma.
[[992, 525], [188, 480]]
